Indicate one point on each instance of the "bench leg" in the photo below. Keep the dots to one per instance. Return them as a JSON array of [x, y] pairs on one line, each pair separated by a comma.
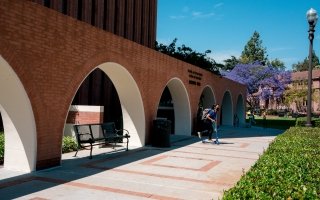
[[75, 155], [127, 144], [91, 150]]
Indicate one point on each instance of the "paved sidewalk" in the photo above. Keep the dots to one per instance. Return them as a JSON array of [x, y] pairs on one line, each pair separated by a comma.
[[189, 169]]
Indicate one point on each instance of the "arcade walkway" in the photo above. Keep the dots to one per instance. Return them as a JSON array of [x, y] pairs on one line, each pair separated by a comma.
[[187, 170]]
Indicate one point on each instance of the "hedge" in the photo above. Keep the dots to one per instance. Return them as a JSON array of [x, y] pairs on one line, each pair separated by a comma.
[[279, 123], [301, 122], [288, 169], [1, 147]]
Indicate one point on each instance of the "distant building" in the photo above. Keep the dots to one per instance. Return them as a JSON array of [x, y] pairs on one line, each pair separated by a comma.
[[300, 84], [300, 81]]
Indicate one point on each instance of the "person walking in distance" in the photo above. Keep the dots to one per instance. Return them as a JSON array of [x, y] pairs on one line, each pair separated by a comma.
[[210, 123]]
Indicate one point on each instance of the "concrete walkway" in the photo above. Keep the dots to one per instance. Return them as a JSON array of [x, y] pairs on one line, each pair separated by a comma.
[[189, 169]]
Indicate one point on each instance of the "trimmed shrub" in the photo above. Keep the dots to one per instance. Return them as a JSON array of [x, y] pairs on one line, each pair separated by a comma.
[[69, 144], [301, 122], [279, 123], [272, 112], [289, 169], [317, 123], [1, 147]]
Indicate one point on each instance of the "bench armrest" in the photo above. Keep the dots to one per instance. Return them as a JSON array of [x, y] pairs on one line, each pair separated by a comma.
[[125, 132]]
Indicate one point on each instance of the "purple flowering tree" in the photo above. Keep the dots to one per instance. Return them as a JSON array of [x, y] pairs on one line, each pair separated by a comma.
[[263, 81]]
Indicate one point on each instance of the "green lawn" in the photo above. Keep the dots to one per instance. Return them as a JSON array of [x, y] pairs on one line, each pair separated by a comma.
[[288, 169], [282, 123]]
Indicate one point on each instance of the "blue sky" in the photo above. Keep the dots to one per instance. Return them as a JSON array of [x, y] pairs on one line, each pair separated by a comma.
[[225, 26]]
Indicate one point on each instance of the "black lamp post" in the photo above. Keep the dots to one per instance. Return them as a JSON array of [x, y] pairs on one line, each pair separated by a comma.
[[312, 18]]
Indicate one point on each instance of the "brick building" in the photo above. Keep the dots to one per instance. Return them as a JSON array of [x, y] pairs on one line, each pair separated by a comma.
[[133, 20], [45, 57]]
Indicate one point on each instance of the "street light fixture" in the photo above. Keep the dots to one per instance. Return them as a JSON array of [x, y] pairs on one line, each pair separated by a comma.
[[312, 18]]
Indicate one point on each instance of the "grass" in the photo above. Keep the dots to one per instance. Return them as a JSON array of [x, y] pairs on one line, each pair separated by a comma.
[[288, 169], [282, 123]]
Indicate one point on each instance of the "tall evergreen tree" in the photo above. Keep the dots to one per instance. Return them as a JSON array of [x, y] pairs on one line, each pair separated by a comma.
[[254, 51]]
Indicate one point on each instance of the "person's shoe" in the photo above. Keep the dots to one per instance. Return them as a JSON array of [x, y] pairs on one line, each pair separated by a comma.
[[217, 142], [199, 135]]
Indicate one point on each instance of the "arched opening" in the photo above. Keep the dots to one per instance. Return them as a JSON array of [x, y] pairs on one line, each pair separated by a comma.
[[240, 110], [131, 101], [98, 90], [125, 107], [177, 98], [226, 117], [18, 121], [165, 108], [207, 99]]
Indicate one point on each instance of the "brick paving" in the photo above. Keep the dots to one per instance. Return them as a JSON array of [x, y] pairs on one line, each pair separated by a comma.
[[189, 169]]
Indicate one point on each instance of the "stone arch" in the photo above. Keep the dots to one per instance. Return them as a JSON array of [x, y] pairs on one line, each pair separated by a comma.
[[240, 109], [18, 120], [181, 105], [130, 99], [226, 117]]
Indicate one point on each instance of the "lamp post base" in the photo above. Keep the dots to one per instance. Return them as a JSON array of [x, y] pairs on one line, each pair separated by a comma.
[[308, 125]]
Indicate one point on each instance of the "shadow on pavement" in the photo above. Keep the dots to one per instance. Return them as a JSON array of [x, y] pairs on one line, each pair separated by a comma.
[[242, 132], [75, 168]]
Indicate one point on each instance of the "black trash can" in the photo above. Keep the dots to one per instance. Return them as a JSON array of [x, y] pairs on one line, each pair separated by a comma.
[[161, 133]]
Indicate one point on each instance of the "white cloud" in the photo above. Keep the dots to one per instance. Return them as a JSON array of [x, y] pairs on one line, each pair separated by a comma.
[[185, 9], [220, 56], [177, 17], [196, 14], [218, 5]]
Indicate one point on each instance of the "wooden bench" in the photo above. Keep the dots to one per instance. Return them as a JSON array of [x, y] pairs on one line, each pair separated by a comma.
[[89, 135]]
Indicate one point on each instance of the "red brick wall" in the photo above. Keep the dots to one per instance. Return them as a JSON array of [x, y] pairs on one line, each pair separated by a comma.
[[78, 117], [53, 53]]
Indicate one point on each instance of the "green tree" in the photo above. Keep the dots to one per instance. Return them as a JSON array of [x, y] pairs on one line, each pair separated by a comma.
[[304, 65], [188, 55], [297, 94], [277, 64], [230, 63], [254, 51]]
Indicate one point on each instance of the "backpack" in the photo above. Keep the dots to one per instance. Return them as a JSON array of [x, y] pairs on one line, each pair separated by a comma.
[[205, 113]]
